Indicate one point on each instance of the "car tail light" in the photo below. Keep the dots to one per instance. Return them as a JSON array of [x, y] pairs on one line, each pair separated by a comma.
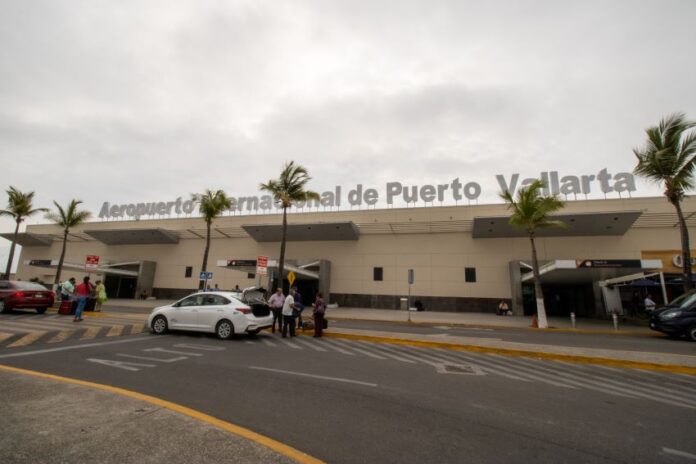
[[18, 295], [244, 309]]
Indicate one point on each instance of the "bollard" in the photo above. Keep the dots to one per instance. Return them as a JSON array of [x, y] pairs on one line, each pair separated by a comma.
[[572, 320], [615, 319]]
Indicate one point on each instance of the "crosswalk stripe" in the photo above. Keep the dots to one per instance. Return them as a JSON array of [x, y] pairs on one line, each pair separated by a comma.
[[269, 343], [397, 351], [137, 328], [680, 381], [115, 331], [333, 346], [30, 326], [290, 344], [378, 349], [4, 336], [634, 388], [29, 338], [359, 350], [313, 346], [61, 336], [90, 333], [487, 368]]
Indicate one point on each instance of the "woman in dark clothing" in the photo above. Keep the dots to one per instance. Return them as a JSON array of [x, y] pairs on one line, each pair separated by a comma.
[[319, 311]]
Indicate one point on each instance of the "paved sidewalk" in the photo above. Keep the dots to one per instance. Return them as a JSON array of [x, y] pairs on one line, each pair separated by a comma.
[[49, 421]]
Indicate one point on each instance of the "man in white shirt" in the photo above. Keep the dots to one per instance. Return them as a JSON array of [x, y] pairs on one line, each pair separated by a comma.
[[276, 302], [289, 314], [649, 303]]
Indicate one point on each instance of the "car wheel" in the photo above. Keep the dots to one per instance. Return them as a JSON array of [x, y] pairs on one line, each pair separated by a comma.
[[41, 310], [691, 333], [159, 325], [224, 329]]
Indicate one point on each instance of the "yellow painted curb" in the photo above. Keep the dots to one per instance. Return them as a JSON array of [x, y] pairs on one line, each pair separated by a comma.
[[276, 446], [671, 368]]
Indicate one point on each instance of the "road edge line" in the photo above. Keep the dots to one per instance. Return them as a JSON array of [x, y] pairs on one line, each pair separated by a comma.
[[577, 359], [240, 431]]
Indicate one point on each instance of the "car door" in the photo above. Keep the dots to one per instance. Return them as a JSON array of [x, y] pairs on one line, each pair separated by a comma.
[[212, 310], [184, 314]]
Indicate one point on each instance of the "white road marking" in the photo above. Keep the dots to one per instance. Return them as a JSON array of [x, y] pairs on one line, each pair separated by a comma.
[[195, 346], [148, 358], [76, 347], [129, 366], [269, 343], [336, 348], [359, 350], [380, 350], [682, 454], [291, 344], [164, 350], [310, 345], [313, 376]]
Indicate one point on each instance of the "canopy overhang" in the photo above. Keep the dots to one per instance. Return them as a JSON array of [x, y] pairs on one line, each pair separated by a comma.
[[579, 224], [568, 271], [318, 231], [134, 236], [29, 239]]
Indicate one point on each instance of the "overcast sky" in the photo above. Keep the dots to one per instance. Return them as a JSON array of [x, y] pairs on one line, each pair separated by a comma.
[[128, 101]]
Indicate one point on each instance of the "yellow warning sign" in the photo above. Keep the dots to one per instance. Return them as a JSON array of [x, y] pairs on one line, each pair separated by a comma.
[[291, 277]]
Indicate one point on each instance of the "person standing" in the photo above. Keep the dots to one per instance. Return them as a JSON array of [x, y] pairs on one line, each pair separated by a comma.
[[649, 303], [289, 314], [276, 303], [67, 289], [319, 312], [299, 307], [83, 292], [100, 290]]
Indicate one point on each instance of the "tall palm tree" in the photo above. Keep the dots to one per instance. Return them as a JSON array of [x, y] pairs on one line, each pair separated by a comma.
[[668, 158], [288, 189], [212, 204], [67, 219], [19, 207], [531, 211]]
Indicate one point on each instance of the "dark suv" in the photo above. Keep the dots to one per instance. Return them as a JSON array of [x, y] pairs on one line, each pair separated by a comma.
[[677, 318], [18, 294]]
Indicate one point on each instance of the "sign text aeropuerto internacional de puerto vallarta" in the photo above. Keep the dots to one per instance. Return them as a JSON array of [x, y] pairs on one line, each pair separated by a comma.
[[456, 190]]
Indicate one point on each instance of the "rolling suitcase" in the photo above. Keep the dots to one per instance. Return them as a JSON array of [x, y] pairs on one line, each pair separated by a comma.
[[66, 307]]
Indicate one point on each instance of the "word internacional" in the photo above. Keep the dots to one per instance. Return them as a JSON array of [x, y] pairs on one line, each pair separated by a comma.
[[394, 192]]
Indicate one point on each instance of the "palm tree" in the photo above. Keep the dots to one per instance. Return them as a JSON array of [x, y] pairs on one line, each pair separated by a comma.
[[531, 211], [288, 189], [19, 207], [668, 158], [67, 219], [212, 204]]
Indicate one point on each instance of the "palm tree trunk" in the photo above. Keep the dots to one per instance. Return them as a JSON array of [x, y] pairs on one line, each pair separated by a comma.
[[541, 309], [686, 248], [204, 267], [12, 250], [56, 281], [281, 260]]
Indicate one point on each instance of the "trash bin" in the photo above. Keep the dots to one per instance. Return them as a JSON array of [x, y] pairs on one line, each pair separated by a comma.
[[404, 304]]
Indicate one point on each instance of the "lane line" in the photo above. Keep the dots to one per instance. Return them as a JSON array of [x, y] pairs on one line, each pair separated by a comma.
[[276, 446], [313, 376], [74, 347], [682, 454], [29, 338]]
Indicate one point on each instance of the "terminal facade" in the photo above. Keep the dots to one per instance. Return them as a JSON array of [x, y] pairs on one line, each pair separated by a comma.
[[464, 258]]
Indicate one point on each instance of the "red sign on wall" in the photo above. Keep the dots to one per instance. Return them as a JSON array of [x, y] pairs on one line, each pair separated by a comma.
[[262, 265], [92, 262]]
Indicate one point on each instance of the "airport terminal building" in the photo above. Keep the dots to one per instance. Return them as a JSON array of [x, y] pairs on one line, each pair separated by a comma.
[[464, 258]]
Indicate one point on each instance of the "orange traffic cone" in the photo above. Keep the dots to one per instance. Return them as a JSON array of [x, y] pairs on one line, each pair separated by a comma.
[[535, 323]]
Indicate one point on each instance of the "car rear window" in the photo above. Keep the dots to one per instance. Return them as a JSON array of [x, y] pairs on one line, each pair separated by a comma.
[[22, 285]]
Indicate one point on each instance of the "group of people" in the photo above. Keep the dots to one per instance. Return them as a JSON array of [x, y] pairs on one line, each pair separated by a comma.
[[82, 292], [287, 309]]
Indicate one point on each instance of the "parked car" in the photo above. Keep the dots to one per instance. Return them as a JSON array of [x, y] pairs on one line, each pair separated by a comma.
[[222, 313], [677, 318], [18, 294]]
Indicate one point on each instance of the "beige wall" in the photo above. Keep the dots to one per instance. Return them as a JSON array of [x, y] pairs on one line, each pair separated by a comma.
[[438, 259]]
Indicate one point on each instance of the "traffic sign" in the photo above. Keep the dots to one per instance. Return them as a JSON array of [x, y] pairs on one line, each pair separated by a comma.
[[92, 262], [291, 277], [206, 276], [262, 265]]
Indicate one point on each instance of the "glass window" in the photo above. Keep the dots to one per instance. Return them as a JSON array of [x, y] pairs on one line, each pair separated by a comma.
[[193, 300], [377, 273], [22, 285], [215, 300], [5, 285], [189, 271], [470, 274]]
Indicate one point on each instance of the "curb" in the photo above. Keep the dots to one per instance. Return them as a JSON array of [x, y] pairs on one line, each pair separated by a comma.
[[577, 359]]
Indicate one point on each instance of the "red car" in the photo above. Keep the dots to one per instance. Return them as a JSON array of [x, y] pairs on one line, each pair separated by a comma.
[[20, 295]]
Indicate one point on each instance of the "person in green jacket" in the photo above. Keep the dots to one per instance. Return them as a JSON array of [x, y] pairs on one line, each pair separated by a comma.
[[100, 290]]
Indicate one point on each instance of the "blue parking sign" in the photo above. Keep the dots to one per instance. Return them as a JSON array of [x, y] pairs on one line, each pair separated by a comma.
[[206, 276]]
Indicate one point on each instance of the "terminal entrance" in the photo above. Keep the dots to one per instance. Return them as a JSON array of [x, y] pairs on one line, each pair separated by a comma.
[[120, 286], [560, 299]]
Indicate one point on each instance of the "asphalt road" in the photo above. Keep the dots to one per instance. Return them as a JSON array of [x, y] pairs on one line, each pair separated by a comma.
[[355, 402]]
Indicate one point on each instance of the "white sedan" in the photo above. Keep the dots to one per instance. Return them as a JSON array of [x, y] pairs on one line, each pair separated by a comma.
[[222, 313]]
